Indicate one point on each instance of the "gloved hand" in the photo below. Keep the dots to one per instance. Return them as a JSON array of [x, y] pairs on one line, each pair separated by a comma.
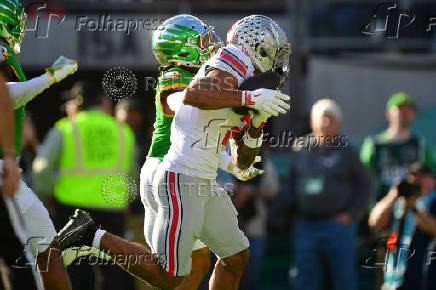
[[248, 173], [62, 68], [271, 102]]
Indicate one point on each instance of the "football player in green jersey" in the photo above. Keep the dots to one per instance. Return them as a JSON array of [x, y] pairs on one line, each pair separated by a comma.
[[34, 227], [182, 44]]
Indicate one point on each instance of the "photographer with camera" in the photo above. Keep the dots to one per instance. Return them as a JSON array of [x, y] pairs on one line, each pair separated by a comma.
[[409, 211]]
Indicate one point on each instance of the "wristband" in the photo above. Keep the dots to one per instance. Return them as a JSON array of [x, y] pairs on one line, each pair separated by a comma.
[[252, 142], [246, 99]]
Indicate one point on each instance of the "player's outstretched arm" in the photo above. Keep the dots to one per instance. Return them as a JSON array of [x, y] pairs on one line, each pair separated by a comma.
[[23, 92], [219, 90]]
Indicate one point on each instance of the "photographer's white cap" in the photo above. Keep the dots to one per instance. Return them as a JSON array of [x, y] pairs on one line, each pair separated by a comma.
[[326, 106]]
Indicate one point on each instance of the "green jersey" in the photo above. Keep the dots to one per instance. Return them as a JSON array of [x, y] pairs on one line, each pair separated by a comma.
[[10, 61], [391, 160], [170, 81]]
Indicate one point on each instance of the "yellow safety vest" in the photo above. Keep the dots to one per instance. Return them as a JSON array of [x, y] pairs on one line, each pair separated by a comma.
[[96, 151]]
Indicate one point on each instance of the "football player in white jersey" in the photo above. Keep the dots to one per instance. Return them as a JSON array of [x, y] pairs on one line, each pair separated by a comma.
[[191, 205]]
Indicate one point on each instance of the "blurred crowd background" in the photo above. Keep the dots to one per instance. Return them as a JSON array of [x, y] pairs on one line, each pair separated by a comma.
[[312, 206]]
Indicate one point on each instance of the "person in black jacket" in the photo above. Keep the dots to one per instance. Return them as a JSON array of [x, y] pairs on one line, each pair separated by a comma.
[[329, 188]]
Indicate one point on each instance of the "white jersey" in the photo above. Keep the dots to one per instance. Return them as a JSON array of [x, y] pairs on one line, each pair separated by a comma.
[[199, 136]]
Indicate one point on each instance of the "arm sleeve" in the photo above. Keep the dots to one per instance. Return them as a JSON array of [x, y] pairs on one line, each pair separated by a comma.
[[23, 92], [362, 184], [46, 162], [233, 61]]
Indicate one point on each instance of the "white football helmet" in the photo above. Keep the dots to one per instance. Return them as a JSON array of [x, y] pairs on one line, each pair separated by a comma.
[[262, 39]]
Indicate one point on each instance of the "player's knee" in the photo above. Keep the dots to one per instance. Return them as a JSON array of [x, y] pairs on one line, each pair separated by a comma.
[[236, 262], [242, 258], [52, 252]]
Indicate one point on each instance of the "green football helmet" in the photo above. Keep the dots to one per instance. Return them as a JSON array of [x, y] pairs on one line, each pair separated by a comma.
[[12, 23], [184, 40]]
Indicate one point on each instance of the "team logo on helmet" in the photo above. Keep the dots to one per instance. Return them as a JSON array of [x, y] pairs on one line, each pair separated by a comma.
[[184, 40], [12, 23], [262, 39]]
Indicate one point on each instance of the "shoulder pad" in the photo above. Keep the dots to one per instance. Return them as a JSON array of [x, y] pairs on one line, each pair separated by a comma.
[[174, 78]]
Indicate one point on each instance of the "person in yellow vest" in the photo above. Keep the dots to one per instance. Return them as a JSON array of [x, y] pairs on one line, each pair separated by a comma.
[[92, 156]]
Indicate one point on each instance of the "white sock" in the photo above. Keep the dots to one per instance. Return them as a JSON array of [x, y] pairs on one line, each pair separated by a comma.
[[97, 238]]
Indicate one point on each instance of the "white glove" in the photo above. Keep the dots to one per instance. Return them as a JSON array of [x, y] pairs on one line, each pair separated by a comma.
[[62, 68], [269, 101], [248, 173]]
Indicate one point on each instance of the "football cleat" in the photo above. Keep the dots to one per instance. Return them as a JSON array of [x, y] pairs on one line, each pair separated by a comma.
[[78, 232]]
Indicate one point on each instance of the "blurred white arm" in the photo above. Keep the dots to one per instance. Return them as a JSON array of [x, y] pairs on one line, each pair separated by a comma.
[[23, 92]]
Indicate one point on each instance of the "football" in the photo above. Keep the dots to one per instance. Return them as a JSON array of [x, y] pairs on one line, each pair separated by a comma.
[[267, 80]]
